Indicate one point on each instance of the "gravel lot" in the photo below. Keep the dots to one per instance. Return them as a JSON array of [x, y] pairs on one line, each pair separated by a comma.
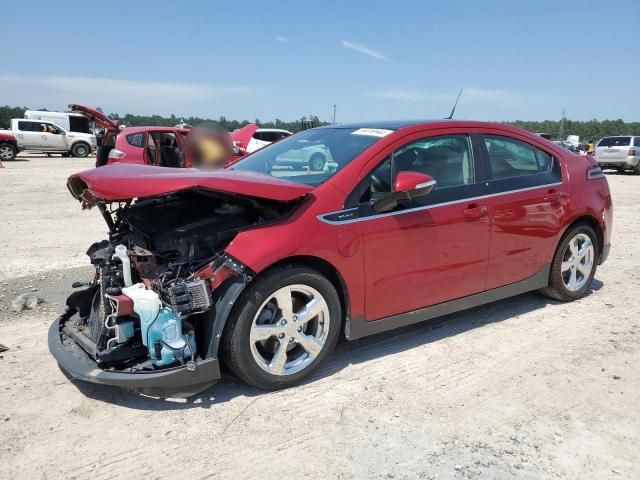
[[524, 388]]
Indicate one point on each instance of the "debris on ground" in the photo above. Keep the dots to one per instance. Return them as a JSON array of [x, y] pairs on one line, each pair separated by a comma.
[[26, 300], [3, 348]]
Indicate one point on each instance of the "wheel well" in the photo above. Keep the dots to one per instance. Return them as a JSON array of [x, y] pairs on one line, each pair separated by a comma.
[[326, 269], [595, 225]]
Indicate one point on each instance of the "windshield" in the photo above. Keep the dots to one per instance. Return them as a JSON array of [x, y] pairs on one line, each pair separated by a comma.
[[310, 157]]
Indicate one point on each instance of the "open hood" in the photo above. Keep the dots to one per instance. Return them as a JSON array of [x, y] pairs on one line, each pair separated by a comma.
[[96, 116], [120, 182]]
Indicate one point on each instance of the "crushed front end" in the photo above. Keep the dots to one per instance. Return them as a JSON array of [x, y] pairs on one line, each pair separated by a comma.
[[152, 317]]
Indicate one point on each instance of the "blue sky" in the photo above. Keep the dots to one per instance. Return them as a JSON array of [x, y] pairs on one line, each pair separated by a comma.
[[267, 60]]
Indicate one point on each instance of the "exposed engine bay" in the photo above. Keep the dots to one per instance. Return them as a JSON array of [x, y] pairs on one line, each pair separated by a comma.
[[149, 305]]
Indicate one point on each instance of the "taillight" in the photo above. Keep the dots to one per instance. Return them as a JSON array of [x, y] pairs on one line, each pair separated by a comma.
[[632, 152], [594, 173], [116, 154]]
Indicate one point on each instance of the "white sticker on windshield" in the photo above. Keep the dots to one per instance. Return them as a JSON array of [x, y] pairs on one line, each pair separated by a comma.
[[372, 132]]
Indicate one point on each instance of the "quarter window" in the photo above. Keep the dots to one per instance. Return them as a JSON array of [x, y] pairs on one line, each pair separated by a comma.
[[512, 158], [136, 140]]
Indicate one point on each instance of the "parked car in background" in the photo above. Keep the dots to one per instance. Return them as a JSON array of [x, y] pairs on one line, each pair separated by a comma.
[[49, 137], [264, 268], [150, 145], [620, 152], [8, 145], [74, 122], [265, 136]]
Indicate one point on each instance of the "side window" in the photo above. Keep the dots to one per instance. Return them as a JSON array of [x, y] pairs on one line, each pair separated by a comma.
[[136, 140], [447, 158], [545, 160], [512, 158], [636, 141], [25, 126], [259, 136]]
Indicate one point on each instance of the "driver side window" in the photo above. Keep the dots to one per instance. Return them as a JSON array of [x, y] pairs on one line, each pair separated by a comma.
[[447, 158]]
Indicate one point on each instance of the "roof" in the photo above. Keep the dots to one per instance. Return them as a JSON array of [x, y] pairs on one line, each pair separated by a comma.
[[386, 124], [154, 128]]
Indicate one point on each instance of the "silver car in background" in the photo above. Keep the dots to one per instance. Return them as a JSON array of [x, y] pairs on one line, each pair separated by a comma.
[[620, 152]]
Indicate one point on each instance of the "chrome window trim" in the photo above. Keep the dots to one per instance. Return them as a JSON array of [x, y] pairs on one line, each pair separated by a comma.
[[426, 207]]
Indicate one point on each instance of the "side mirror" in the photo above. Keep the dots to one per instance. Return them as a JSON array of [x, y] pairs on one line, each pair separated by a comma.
[[408, 185]]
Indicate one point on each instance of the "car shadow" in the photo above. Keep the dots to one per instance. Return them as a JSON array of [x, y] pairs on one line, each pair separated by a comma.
[[346, 354]]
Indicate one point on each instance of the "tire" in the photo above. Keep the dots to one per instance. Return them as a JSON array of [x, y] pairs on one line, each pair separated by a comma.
[[258, 315], [636, 169], [559, 281], [80, 149], [317, 162], [7, 152]]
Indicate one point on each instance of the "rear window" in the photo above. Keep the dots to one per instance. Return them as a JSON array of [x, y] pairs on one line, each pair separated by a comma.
[[615, 142], [136, 139]]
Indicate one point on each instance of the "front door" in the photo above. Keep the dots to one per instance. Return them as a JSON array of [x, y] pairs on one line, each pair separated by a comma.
[[434, 248], [54, 138]]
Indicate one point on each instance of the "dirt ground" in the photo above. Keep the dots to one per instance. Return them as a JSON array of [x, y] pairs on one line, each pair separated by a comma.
[[524, 388]]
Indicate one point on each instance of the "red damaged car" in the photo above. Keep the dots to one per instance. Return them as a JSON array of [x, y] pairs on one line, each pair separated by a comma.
[[263, 267], [155, 145]]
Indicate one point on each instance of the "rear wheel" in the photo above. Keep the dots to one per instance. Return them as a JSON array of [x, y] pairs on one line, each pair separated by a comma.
[[285, 326], [636, 169], [574, 264], [8, 151], [80, 150]]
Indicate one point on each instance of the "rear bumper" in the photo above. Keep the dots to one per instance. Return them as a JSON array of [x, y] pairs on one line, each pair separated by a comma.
[[172, 381], [629, 162]]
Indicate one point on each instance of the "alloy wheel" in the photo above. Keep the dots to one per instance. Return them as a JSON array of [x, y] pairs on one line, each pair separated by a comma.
[[577, 262], [6, 153], [290, 330]]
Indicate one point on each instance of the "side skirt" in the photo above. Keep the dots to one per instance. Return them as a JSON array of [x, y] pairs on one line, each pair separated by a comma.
[[360, 327]]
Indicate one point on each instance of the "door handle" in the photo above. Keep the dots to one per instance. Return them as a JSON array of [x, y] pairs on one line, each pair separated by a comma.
[[553, 196], [474, 212]]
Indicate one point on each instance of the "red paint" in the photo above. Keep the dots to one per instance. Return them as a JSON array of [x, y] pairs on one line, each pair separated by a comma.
[[96, 116], [392, 264], [407, 181], [124, 182]]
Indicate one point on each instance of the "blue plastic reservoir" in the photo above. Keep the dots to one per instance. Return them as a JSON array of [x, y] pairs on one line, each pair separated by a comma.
[[166, 330]]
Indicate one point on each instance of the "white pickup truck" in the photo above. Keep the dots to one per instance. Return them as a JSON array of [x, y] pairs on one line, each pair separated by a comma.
[[47, 136]]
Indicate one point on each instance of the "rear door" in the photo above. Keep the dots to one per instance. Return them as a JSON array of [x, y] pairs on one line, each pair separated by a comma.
[[526, 201], [613, 149], [29, 134]]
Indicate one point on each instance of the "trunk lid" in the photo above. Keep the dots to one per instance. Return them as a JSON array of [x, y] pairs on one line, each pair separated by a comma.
[[96, 116], [121, 182]]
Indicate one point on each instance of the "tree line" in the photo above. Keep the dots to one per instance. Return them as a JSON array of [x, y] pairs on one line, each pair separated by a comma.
[[587, 130]]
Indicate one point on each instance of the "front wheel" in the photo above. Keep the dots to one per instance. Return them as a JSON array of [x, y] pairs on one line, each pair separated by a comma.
[[8, 151], [80, 150], [285, 325], [317, 161], [574, 264]]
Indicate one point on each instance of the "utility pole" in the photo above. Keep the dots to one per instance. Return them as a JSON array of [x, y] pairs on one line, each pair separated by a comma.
[[334, 113], [561, 132]]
